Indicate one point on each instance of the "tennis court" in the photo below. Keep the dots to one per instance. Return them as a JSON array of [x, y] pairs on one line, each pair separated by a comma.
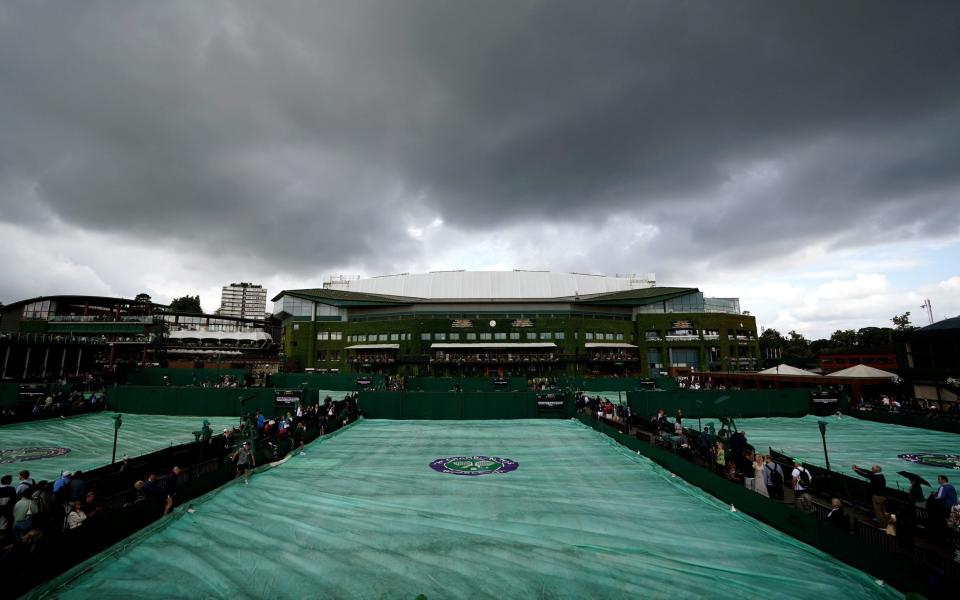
[[89, 439], [851, 440], [372, 512]]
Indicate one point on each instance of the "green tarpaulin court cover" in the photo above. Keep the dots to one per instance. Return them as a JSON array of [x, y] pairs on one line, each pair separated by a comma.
[[378, 511], [89, 439], [851, 440]]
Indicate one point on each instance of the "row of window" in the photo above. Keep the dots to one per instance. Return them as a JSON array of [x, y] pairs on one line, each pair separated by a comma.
[[457, 336]]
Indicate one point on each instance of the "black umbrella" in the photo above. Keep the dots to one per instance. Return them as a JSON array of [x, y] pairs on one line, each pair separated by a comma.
[[914, 477]]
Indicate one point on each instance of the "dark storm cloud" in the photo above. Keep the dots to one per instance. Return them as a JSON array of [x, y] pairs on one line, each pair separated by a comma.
[[318, 132]]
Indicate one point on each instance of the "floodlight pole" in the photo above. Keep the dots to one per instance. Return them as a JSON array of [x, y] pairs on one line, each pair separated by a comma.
[[117, 422], [823, 436]]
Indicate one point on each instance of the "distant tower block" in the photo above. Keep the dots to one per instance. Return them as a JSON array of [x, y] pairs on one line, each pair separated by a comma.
[[243, 300]]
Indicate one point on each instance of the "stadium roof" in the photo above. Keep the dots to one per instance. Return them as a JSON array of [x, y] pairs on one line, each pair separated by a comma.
[[492, 284], [346, 298], [952, 323]]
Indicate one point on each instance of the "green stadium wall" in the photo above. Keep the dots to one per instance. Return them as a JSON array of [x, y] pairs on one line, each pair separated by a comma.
[[718, 403], [343, 382], [190, 401], [457, 406], [180, 377]]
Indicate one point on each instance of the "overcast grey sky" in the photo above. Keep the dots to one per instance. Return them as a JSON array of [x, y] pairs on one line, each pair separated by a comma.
[[803, 156]]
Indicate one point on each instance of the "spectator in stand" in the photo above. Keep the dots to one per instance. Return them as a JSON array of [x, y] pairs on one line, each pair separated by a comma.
[[8, 497], [801, 479], [173, 480], [245, 458], [946, 494], [76, 516], [92, 505], [78, 487], [705, 443], [299, 433], [878, 490], [836, 516], [719, 458], [773, 479], [805, 504], [151, 487], [24, 512], [64, 480], [25, 483]]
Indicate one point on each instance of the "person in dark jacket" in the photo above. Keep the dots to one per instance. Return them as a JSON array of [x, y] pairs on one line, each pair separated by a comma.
[[836, 516], [878, 490]]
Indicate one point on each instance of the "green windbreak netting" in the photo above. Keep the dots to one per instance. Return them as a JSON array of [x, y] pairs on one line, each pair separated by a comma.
[[851, 440], [89, 439], [363, 515]]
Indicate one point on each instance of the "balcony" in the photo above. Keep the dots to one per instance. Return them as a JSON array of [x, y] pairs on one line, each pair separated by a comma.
[[102, 319], [653, 337], [683, 338], [712, 337]]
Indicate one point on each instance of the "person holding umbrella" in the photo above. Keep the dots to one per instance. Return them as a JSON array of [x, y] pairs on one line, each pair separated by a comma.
[[915, 492]]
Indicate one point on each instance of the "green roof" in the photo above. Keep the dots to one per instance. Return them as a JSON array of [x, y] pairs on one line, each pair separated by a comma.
[[638, 297], [344, 298]]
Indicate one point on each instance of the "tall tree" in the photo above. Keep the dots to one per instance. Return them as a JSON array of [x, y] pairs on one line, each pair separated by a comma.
[[902, 322], [875, 337], [187, 304], [142, 298], [843, 339], [771, 343]]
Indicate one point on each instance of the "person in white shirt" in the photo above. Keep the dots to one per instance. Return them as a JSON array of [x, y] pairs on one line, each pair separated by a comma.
[[76, 517], [801, 478]]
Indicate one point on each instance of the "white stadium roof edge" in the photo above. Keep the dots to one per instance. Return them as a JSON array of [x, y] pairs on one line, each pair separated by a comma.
[[491, 284]]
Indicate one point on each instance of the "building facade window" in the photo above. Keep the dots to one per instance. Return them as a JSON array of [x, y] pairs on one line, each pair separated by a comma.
[[500, 335], [471, 337], [485, 336], [558, 335], [514, 335], [425, 337], [323, 336]]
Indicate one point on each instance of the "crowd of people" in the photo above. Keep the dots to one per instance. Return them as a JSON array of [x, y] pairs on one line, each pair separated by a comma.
[[38, 517], [729, 454], [911, 406]]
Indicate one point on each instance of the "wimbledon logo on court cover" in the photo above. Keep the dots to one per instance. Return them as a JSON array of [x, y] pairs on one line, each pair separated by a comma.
[[943, 461], [474, 465], [12, 455]]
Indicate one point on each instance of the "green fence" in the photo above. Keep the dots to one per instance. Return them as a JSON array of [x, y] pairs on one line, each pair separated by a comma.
[[613, 384], [463, 405], [9, 392], [322, 381], [466, 384], [181, 376], [190, 401], [718, 403]]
